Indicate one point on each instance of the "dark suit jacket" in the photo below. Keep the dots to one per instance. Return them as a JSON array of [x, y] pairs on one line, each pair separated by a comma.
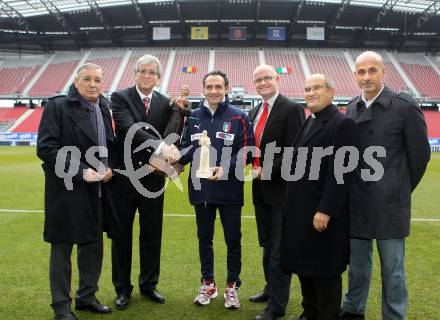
[[128, 109], [70, 215], [304, 250], [283, 124]]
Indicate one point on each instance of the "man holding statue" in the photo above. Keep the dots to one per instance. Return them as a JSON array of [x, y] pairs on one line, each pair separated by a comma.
[[216, 180]]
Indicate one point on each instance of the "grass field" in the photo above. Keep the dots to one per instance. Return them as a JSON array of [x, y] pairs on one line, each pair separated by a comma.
[[24, 285]]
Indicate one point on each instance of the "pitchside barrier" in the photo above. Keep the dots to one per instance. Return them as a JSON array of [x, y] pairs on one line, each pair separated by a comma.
[[18, 139], [435, 144]]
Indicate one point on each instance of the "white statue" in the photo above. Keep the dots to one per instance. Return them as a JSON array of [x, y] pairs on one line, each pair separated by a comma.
[[204, 170]]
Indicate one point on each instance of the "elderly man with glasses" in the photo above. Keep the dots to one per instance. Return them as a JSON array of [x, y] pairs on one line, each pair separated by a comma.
[[140, 103]]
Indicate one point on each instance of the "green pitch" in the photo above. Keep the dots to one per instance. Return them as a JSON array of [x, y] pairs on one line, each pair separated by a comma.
[[24, 256]]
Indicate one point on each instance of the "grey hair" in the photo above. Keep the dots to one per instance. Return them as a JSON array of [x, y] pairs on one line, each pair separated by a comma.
[[84, 66], [327, 81], [147, 59]]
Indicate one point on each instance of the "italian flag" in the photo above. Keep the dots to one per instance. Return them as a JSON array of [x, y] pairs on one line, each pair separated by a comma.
[[287, 70]]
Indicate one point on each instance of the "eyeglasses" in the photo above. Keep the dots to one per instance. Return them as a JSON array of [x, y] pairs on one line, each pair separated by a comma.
[[265, 79], [314, 88], [145, 72]]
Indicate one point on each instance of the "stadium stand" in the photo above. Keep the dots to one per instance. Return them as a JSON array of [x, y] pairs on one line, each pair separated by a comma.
[[127, 78], [186, 57], [238, 64], [421, 73], [109, 60], [15, 73], [31, 123], [11, 114], [433, 123], [291, 84], [332, 63], [55, 76]]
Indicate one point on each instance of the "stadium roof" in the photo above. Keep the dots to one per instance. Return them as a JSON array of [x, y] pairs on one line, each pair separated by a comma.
[[72, 24], [28, 8]]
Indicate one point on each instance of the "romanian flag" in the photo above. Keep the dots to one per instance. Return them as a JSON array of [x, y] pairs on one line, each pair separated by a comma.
[[190, 69], [287, 70]]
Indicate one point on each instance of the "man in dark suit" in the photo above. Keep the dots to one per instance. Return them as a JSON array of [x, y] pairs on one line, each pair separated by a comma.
[[79, 208], [315, 237], [140, 103], [381, 209], [277, 120]]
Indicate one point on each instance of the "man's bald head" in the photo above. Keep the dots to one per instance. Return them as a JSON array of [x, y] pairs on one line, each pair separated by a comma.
[[265, 67], [266, 81], [369, 73], [369, 56]]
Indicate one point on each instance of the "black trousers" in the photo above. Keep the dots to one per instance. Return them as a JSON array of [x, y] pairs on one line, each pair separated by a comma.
[[150, 238], [321, 297], [230, 217], [89, 260], [269, 225]]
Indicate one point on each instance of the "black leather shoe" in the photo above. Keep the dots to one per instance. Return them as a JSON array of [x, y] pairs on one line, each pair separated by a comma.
[[268, 315], [95, 307], [259, 297], [154, 295], [121, 301], [345, 315], [68, 316]]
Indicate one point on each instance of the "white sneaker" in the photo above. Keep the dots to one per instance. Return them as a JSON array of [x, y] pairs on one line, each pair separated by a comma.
[[207, 291], [231, 297]]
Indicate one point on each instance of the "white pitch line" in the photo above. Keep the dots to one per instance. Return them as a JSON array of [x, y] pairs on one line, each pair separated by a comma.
[[192, 215], [21, 211]]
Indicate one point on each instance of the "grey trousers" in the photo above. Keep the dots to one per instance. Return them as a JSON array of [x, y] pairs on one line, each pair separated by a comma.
[[89, 260]]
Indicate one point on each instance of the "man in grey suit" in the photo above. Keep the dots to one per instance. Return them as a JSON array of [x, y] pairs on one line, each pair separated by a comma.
[[381, 209]]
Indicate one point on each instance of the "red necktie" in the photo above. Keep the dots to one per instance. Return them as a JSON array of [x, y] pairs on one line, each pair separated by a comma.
[[259, 131], [146, 105]]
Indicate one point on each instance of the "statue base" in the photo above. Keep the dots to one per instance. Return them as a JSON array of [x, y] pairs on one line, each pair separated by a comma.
[[204, 174]]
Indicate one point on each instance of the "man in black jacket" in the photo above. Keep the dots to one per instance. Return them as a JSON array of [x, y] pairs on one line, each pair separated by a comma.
[[315, 240], [79, 208], [140, 104], [276, 122], [381, 209]]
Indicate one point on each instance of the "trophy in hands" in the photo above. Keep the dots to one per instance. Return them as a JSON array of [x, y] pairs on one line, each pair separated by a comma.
[[204, 170], [163, 163]]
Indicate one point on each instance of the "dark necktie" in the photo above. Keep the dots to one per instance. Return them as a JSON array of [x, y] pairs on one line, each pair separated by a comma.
[[361, 107], [259, 131], [146, 104]]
